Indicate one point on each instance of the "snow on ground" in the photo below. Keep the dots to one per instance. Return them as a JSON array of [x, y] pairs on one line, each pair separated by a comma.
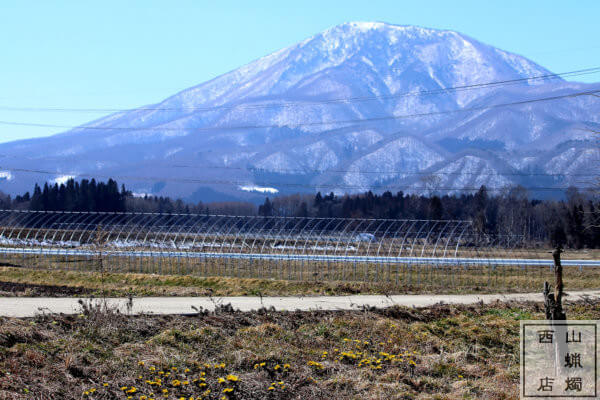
[[260, 189], [141, 194], [62, 179], [6, 175]]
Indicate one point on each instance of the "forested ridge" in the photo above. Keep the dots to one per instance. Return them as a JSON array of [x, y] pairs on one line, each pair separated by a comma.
[[573, 222]]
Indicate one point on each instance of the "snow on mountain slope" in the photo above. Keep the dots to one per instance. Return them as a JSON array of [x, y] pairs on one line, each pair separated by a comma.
[[324, 105], [390, 162]]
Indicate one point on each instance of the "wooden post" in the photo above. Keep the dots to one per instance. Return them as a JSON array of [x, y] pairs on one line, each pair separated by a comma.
[[553, 301], [558, 288]]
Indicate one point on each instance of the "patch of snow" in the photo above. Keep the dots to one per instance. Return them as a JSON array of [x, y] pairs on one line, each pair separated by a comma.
[[61, 180], [170, 152], [71, 151], [6, 175], [231, 158], [141, 194], [260, 189]]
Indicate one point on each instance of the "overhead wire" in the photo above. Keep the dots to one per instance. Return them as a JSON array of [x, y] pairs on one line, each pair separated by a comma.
[[307, 124], [334, 171], [570, 95], [266, 184], [344, 100], [383, 118]]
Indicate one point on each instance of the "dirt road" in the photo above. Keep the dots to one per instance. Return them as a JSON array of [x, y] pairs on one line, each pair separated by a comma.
[[29, 306]]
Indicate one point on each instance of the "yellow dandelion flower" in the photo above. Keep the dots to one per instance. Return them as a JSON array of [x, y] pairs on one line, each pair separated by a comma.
[[221, 380], [105, 384], [233, 378], [270, 388], [227, 390]]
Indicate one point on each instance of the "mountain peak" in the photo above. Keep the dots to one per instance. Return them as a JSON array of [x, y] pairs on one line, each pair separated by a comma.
[[384, 28], [380, 26]]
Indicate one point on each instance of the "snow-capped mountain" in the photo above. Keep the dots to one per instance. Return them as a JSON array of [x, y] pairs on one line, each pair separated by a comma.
[[359, 106]]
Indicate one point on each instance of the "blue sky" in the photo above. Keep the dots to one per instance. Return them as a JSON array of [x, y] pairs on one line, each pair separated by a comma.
[[124, 54]]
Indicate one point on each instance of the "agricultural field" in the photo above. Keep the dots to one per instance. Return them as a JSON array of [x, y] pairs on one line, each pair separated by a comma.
[[156, 254], [441, 352], [54, 277]]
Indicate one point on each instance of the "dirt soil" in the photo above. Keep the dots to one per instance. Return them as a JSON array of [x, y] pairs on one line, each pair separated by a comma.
[[27, 289]]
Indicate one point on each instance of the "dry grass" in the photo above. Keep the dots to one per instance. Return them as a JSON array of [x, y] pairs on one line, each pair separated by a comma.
[[442, 352], [46, 282], [41, 282]]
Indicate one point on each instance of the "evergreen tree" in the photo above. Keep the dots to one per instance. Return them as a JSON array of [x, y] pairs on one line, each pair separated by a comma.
[[266, 210]]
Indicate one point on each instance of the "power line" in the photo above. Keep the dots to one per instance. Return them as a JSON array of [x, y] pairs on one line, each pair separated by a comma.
[[300, 171], [409, 173], [588, 130], [320, 102], [304, 124], [267, 184], [361, 172]]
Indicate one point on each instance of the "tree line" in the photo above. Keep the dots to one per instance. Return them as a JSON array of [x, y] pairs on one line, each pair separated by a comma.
[[95, 196], [573, 222]]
